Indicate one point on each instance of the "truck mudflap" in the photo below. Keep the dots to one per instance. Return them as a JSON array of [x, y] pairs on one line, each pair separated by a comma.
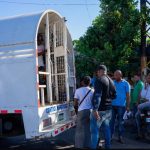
[[57, 129]]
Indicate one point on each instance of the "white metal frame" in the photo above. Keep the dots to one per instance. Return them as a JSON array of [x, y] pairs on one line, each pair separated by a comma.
[[66, 60]]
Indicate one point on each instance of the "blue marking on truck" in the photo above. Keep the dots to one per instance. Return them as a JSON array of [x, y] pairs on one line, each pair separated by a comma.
[[56, 108], [51, 109], [61, 107]]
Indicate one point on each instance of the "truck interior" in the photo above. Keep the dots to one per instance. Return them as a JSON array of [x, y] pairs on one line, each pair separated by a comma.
[[52, 76]]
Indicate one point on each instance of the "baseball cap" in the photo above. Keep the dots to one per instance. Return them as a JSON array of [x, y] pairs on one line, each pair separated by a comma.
[[102, 67]]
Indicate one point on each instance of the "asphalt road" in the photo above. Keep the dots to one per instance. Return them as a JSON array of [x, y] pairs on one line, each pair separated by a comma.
[[66, 141]]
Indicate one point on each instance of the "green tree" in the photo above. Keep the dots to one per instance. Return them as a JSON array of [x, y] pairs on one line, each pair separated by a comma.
[[112, 38]]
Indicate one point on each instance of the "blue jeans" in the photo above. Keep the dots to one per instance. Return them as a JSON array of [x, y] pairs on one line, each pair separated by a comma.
[[117, 112], [104, 123]]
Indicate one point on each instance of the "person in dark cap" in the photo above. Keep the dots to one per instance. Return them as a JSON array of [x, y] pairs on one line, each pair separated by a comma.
[[101, 114]]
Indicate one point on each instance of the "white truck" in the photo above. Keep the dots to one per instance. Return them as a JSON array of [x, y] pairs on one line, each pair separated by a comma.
[[26, 106]]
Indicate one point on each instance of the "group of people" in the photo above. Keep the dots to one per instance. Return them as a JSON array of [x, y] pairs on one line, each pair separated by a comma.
[[100, 107]]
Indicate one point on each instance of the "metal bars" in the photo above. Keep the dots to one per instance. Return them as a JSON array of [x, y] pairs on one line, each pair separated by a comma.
[[59, 34], [60, 64]]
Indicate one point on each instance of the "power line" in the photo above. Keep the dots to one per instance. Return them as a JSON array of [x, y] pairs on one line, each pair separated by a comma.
[[65, 4]]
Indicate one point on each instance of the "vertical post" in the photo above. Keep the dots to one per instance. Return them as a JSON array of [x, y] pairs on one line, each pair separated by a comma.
[[42, 96], [143, 38], [74, 70], [55, 63], [48, 65], [66, 59]]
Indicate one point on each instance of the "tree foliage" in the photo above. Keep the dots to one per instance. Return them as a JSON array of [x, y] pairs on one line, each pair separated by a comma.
[[112, 38]]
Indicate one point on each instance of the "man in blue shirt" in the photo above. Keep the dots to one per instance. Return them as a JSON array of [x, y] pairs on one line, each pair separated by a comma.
[[120, 104]]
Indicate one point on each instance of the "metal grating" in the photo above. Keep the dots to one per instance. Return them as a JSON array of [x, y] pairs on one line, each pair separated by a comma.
[[60, 64], [52, 64], [51, 37], [59, 34], [53, 78], [61, 87]]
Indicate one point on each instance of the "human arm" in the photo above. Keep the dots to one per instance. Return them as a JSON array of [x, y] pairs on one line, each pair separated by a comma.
[[41, 50], [140, 87], [139, 97], [40, 53], [127, 101], [76, 99], [97, 98], [128, 91], [76, 105]]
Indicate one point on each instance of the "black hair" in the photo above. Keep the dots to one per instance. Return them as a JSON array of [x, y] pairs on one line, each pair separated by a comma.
[[137, 74], [87, 80]]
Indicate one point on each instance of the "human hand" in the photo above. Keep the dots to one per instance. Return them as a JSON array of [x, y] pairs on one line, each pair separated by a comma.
[[96, 115], [127, 108]]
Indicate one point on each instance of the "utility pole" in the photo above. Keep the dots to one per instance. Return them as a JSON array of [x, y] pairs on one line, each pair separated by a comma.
[[143, 38]]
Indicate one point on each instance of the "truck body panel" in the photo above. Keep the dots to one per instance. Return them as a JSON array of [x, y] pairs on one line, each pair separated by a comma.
[[46, 110]]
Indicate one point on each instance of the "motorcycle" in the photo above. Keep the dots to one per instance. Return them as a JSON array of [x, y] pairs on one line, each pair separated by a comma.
[[145, 123]]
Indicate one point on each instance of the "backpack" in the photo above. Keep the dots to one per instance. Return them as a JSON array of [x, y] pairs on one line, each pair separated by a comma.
[[112, 94]]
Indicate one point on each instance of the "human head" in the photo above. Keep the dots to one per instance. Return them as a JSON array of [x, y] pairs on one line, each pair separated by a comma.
[[40, 38], [81, 82], [118, 75], [101, 70], [137, 77], [86, 80]]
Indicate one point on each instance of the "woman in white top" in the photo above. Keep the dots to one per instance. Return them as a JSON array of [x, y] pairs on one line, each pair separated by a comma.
[[83, 100], [41, 52], [144, 95]]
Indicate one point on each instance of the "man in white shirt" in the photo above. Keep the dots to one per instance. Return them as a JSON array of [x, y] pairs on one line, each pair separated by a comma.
[[83, 100], [40, 50], [145, 95]]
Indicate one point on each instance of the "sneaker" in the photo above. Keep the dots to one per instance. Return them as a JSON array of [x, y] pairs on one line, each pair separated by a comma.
[[139, 137], [120, 140]]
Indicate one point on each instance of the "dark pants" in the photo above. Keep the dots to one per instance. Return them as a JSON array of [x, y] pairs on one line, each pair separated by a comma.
[[83, 134], [141, 107], [117, 113], [134, 109]]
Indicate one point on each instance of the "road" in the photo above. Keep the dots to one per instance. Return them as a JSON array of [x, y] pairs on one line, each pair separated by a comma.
[[66, 141]]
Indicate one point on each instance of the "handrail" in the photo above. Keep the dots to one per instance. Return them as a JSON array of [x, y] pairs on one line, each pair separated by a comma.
[[42, 86], [45, 73]]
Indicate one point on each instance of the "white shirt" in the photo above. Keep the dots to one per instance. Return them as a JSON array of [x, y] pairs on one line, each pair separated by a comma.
[[40, 58], [80, 94], [145, 93]]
